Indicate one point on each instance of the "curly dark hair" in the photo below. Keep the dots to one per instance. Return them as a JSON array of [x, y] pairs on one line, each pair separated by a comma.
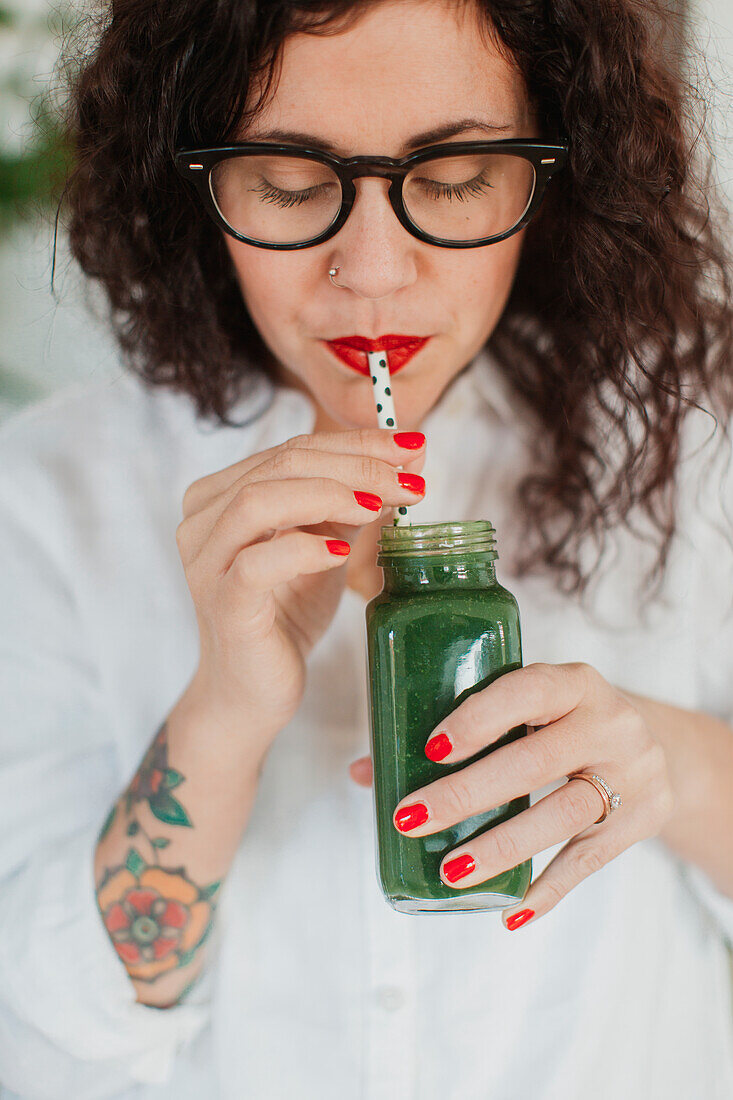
[[631, 329]]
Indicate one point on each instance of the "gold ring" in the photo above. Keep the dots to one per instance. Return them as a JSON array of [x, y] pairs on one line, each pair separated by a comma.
[[611, 800]]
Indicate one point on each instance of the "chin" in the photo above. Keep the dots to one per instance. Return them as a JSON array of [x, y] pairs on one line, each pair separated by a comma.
[[353, 414], [352, 411], [349, 402]]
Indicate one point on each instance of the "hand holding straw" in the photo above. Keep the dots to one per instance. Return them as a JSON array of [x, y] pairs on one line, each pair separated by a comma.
[[381, 385]]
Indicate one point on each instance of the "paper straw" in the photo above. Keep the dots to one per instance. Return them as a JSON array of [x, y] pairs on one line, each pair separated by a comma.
[[381, 385]]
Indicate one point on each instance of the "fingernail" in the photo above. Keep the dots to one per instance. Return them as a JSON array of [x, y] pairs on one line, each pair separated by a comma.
[[369, 500], [336, 546], [438, 747], [413, 441], [412, 481], [409, 817], [459, 868], [518, 919]]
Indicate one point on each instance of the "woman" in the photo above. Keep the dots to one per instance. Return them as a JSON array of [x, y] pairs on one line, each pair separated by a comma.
[[207, 922]]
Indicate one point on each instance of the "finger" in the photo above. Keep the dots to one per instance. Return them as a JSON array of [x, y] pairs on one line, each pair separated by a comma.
[[258, 569], [508, 772], [361, 771], [581, 857], [359, 472], [559, 815], [375, 442], [534, 695], [261, 508]]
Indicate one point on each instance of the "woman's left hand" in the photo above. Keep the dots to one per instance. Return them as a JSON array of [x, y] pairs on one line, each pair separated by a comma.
[[581, 723]]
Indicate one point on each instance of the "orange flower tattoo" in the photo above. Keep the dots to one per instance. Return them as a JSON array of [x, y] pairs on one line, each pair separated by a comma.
[[157, 919]]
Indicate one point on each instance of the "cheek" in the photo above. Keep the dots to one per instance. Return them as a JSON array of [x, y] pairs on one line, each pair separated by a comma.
[[272, 289], [481, 285]]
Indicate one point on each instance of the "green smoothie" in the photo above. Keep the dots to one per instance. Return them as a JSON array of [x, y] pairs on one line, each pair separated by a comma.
[[441, 628]]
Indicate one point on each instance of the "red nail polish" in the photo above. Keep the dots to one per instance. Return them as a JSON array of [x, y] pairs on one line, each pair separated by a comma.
[[337, 546], [438, 747], [369, 500], [413, 441], [459, 868], [412, 481], [409, 817], [518, 919]]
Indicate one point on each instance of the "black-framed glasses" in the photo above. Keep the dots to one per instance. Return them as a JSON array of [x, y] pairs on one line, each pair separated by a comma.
[[454, 195]]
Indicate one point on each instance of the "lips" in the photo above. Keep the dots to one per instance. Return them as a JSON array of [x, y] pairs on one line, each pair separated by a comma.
[[352, 350]]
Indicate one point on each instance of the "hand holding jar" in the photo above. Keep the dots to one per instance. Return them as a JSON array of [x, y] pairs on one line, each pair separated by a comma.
[[580, 723]]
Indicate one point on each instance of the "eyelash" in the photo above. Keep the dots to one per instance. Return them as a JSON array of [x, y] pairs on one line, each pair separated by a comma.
[[288, 199], [461, 191]]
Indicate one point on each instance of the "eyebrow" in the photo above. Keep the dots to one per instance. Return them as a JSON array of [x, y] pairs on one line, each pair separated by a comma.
[[417, 141]]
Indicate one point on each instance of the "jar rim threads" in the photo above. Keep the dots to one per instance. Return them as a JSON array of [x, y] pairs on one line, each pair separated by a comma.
[[433, 539]]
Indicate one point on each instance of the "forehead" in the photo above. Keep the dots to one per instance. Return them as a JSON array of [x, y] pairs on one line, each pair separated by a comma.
[[405, 67]]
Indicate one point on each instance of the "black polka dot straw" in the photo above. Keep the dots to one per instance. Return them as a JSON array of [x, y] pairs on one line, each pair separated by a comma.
[[379, 370]]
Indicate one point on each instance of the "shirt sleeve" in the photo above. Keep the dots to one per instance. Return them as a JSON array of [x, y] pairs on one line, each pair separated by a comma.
[[70, 1024], [707, 530]]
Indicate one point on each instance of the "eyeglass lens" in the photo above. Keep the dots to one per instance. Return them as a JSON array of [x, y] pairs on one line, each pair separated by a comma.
[[287, 200]]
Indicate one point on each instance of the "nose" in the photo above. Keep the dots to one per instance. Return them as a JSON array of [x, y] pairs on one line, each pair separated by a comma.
[[374, 253]]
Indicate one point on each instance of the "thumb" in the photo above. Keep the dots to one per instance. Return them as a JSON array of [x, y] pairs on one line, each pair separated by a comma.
[[361, 771]]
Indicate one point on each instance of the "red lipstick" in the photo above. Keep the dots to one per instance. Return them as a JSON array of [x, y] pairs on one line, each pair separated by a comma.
[[352, 350]]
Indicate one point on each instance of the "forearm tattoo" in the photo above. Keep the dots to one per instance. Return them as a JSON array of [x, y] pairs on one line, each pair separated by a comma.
[[156, 916]]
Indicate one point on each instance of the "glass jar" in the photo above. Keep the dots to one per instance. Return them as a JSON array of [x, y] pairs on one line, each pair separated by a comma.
[[441, 629]]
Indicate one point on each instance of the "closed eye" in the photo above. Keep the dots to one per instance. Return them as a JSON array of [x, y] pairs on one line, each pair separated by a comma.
[[287, 199], [461, 191]]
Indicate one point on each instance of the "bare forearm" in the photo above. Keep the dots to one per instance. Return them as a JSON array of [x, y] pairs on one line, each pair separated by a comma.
[[699, 752], [168, 843]]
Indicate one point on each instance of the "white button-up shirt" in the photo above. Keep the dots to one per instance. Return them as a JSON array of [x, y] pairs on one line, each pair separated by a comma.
[[316, 989]]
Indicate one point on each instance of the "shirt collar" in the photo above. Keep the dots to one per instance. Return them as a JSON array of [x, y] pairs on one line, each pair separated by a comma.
[[487, 379]]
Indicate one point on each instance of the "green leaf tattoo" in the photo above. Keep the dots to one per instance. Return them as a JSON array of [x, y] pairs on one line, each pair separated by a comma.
[[209, 891], [134, 862], [167, 808], [152, 782]]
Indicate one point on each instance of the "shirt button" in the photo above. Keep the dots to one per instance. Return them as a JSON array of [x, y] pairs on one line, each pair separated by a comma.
[[389, 997]]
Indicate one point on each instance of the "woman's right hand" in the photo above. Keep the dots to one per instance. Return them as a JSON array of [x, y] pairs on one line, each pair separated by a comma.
[[254, 543]]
